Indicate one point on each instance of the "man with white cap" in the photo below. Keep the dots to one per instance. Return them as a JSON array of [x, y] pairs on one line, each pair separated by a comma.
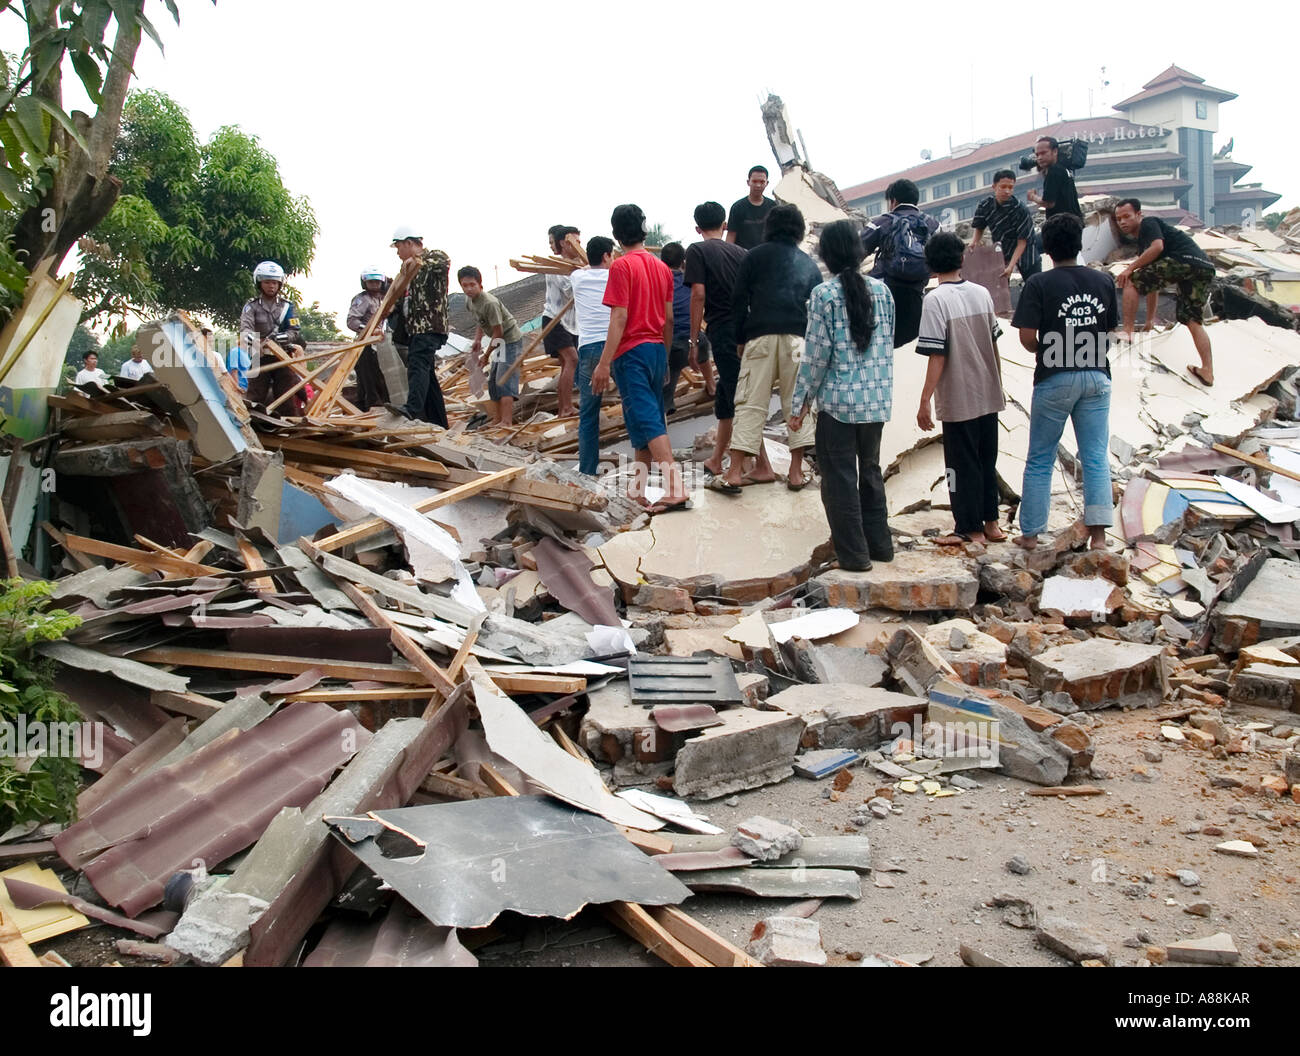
[[269, 316], [371, 387], [423, 281]]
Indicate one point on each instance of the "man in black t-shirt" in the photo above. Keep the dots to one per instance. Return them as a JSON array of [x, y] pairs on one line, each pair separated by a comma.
[[1065, 317], [1166, 255], [1058, 194], [747, 216], [711, 267]]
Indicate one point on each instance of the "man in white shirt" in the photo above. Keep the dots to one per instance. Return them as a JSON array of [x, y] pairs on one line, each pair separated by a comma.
[[592, 315], [562, 341], [90, 374], [137, 366]]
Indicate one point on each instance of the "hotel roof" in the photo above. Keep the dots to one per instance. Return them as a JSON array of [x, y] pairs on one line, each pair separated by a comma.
[[1172, 80]]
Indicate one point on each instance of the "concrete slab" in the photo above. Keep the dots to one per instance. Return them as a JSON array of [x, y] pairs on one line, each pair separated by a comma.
[[1215, 949], [842, 715], [1098, 672], [750, 749], [915, 581], [745, 547], [978, 658], [1269, 607], [614, 728]]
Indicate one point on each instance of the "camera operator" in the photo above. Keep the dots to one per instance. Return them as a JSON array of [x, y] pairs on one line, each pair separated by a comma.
[[1058, 194]]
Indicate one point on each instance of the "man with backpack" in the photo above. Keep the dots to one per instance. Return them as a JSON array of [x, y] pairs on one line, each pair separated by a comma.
[[898, 239]]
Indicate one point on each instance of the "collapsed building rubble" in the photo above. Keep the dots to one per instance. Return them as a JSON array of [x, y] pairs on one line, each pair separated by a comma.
[[323, 646]]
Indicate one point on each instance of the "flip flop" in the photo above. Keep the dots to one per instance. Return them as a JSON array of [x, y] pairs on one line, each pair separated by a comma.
[[800, 486], [671, 507], [953, 539], [1195, 371], [725, 487]]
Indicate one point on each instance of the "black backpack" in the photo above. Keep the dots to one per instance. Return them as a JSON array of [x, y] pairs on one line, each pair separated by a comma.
[[906, 239]]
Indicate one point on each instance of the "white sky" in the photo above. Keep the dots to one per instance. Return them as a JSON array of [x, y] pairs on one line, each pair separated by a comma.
[[485, 123]]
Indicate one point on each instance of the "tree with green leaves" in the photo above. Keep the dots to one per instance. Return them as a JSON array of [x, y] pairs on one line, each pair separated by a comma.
[[317, 324], [1273, 220], [54, 179], [192, 221], [657, 236]]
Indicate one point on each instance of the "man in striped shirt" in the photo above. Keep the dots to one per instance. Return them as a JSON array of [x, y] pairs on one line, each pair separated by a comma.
[[1009, 224]]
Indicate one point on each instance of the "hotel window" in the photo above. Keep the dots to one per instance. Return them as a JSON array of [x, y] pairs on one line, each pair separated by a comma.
[[966, 211], [1202, 110], [942, 190], [988, 177], [966, 183], [922, 195]]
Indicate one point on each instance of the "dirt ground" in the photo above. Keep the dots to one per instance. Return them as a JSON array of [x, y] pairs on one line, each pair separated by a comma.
[[1105, 862]]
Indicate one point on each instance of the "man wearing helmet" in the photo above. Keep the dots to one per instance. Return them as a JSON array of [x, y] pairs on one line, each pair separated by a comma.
[[371, 387], [269, 316], [423, 281]]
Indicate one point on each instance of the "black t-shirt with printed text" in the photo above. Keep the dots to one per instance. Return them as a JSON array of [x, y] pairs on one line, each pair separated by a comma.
[[746, 220], [1073, 308]]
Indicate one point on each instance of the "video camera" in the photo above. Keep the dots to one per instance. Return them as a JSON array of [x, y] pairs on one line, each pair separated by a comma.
[[1072, 153]]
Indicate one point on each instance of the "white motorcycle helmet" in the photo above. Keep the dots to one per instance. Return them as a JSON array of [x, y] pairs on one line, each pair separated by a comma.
[[371, 274], [268, 271]]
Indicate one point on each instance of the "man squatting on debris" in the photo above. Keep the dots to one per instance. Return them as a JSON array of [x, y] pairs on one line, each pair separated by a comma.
[[1166, 255], [639, 293]]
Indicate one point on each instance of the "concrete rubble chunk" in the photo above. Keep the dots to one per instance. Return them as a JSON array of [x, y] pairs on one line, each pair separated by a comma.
[[1240, 848], [980, 659], [788, 942], [820, 662], [1013, 746], [916, 663], [614, 729], [1008, 581], [1214, 949], [1072, 941], [765, 839], [751, 748], [846, 716], [1268, 607], [915, 581], [1099, 672]]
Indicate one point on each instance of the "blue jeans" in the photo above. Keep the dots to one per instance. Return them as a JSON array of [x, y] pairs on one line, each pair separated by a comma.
[[588, 409], [1084, 397]]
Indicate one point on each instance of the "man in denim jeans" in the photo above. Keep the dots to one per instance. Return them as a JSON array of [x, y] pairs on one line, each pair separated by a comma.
[[593, 325], [1065, 317]]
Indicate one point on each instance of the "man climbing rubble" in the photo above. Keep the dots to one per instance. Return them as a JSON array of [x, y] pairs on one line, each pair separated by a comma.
[[268, 316], [423, 281]]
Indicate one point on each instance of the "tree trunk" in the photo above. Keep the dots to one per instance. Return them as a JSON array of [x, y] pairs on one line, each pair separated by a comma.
[[82, 192]]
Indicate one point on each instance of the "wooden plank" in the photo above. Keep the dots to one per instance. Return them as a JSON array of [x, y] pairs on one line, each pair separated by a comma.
[[14, 950], [536, 342], [493, 780], [80, 559], [343, 696], [277, 665], [537, 683], [329, 394], [374, 525], [402, 642], [1256, 461], [1068, 790], [195, 705], [195, 553], [535, 492], [462, 654], [139, 558], [656, 938], [455, 787], [649, 842], [254, 563], [708, 944], [351, 456]]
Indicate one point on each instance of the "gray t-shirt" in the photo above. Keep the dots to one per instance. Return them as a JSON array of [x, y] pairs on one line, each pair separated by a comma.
[[958, 321]]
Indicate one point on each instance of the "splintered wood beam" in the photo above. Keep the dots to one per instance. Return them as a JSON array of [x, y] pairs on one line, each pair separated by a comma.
[[254, 563], [354, 456], [375, 525], [80, 559], [139, 558]]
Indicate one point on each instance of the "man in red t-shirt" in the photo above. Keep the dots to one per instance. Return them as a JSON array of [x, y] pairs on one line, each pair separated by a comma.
[[639, 294]]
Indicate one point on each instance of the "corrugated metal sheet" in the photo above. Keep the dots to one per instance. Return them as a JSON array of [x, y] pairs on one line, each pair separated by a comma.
[[566, 574], [401, 938], [208, 805]]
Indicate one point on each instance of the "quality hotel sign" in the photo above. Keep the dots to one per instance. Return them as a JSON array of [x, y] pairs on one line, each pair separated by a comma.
[[1121, 133]]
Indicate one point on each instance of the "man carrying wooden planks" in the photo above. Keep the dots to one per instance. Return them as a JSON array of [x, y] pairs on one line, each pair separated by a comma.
[[423, 281]]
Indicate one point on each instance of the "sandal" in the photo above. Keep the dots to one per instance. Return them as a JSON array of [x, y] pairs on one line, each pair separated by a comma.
[[1198, 373], [725, 487], [955, 539], [671, 507]]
